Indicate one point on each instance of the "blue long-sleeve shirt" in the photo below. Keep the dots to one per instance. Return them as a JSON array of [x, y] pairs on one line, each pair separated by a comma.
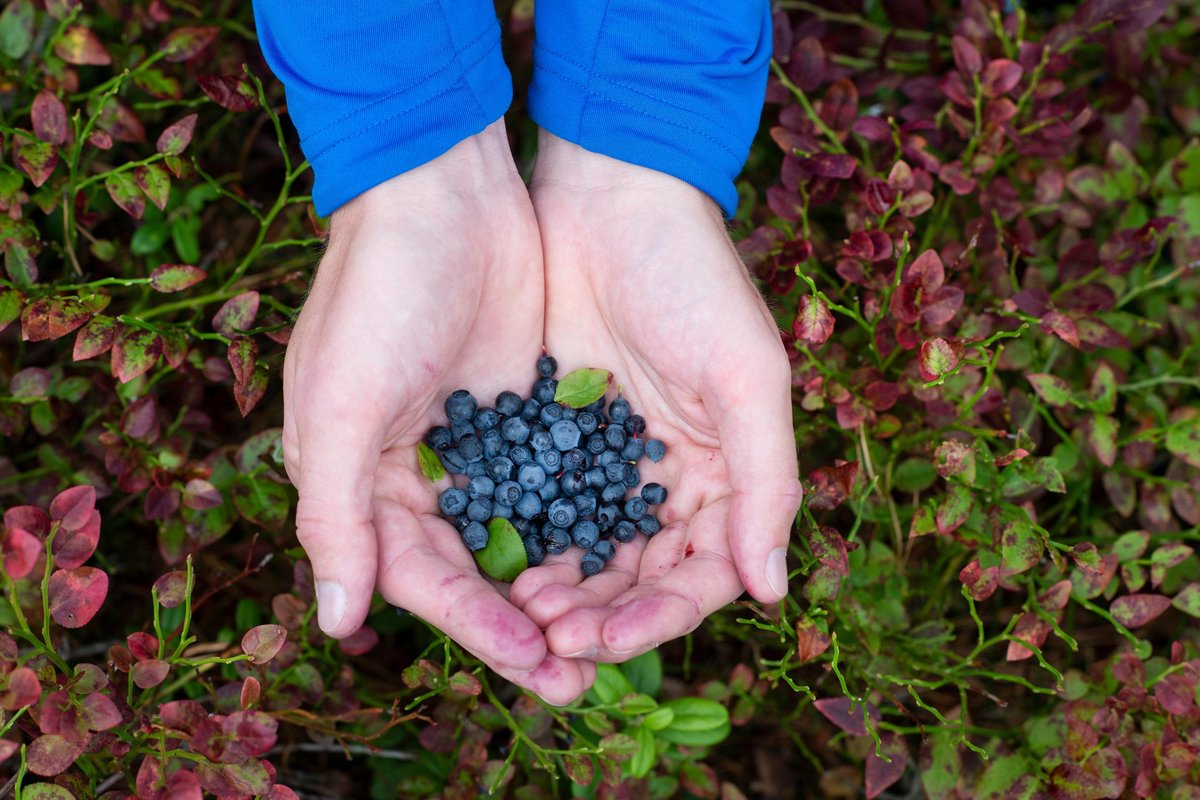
[[377, 88]]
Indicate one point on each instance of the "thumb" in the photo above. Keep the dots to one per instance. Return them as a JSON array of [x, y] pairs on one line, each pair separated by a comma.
[[338, 458], [759, 447]]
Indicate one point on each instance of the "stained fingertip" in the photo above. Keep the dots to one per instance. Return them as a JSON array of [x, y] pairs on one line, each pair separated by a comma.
[[577, 632]]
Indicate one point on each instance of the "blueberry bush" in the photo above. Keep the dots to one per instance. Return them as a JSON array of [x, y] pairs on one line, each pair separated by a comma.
[[978, 225]]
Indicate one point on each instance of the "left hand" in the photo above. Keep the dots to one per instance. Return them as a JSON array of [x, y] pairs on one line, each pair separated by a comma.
[[642, 279]]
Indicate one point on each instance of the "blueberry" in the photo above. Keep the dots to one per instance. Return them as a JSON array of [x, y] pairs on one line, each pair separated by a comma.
[[557, 540], [508, 493], [493, 443], [460, 405], [613, 492], [649, 525], [596, 444], [619, 411], [515, 430], [508, 403], [632, 476], [636, 508], [624, 531], [654, 494], [550, 490], [530, 410], [500, 468], [453, 502], [615, 472], [460, 428], [606, 515], [594, 478], [486, 419], [480, 510], [569, 413], [543, 390], [655, 450], [483, 486], [540, 440], [475, 469], [565, 434], [585, 504], [585, 534], [471, 448], [591, 564], [606, 550], [522, 525], [635, 424], [520, 455], [607, 457], [546, 366], [572, 483], [535, 552], [439, 439], [549, 460], [596, 407], [475, 536], [550, 414], [562, 513], [502, 511], [634, 449], [461, 522], [453, 461], [614, 437], [575, 459], [587, 422], [531, 477], [529, 506]]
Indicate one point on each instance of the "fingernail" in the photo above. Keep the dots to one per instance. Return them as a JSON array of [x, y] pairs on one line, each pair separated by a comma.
[[777, 570], [331, 605], [647, 646], [587, 652]]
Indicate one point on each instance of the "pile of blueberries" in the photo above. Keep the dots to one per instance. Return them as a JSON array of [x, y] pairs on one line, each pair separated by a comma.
[[562, 476]]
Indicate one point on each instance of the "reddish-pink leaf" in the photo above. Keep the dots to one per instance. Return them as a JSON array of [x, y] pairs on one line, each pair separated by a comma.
[[940, 306], [100, 139], [811, 641], [52, 754], [251, 691], [846, 714], [73, 507], [99, 712], [839, 108], [49, 117], [937, 358], [1061, 326], [142, 645], [29, 384], [200, 495], [184, 43], [182, 785], [76, 595], [251, 733], [161, 502], [36, 158], [154, 181], [22, 689], [1134, 610], [830, 165], [171, 588], [248, 394], [1030, 629], [1055, 598], [123, 189], [966, 56], [73, 547], [185, 716], [1001, 76], [243, 357], [134, 353], [831, 485], [262, 643], [80, 45], [96, 337], [140, 419], [119, 119], [176, 137], [881, 774], [233, 92], [981, 583], [1176, 692], [237, 314], [814, 322], [149, 673], [281, 792], [21, 552], [360, 642], [31, 518]]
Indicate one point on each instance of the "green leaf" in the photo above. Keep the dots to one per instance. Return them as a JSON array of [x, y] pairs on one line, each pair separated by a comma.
[[610, 686], [504, 556], [185, 234], [124, 191], [582, 387], [697, 722], [1008, 777], [1102, 435], [646, 756], [1130, 545], [46, 791], [1052, 389], [262, 501], [1020, 547], [168, 278], [645, 672], [914, 475], [1183, 440], [659, 719], [16, 28], [1188, 600], [149, 238], [10, 306], [634, 705], [431, 465]]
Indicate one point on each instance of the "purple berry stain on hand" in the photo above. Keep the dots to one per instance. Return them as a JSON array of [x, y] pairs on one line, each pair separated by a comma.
[[547, 473]]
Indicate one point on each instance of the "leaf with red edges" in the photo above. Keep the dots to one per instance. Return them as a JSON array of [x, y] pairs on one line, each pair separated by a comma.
[[175, 137], [187, 42], [882, 774], [248, 394], [236, 314], [49, 117], [232, 92], [74, 547], [980, 582], [1134, 610], [36, 158], [811, 641], [937, 358], [251, 733], [168, 278], [1061, 326], [831, 485], [1000, 76], [262, 643], [142, 645], [96, 337], [149, 673], [99, 712], [814, 322], [846, 714], [74, 506], [76, 595], [123, 189], [134, 353], [21, 552], [21, 689], [243, 357], [53, 754], [81, 46], [154, 181]]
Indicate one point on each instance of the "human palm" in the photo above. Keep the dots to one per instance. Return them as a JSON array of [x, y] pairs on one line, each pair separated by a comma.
[[642, 279]]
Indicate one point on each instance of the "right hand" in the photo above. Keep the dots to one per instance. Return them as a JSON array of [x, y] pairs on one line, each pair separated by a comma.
[[432, 281]]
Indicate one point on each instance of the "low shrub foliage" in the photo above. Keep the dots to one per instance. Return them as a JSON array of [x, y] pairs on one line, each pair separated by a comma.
[[978, 225]]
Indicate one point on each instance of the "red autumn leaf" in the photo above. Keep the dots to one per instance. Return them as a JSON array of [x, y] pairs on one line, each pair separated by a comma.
[[954, 509], [236, 314], [1030, 628], [940, 306], [263, 642], [80, 45], [73, 547], [1055, 598], [830, 549], [161, 502], [830, 165], [171, 588], [49, 117], [31, 518], [811, 641], [250, 733], [22, 689], [966, 56], [134, 353], [248, 394], [956, 176], [185, 43], [1061, 326], [52, 754], [814, 322], [200, 495], [36, 158], [154, 181], [937, 358], [831, 485], [123, 189], [142, 645], [1015, 455], [149, 673], [882, 774], [96, 337], [1000, 76], [839, 108], [806, 64], [73, 507], [148, 778], [99, 712], [233, 92], [185, 716], [122, 124], [1176, 692], [838, 710], [182, 784], [1134, 610], [140, 419], [882, 395], [243, 356], [981, 583], [360, 642], [281, 792], [251, 691], [29, 384], [76, 595], [21, 552], [100, 139], [52, 317], [175, 137]]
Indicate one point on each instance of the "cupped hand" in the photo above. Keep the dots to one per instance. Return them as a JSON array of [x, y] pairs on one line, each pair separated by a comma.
[[642, 279], [432, 281]]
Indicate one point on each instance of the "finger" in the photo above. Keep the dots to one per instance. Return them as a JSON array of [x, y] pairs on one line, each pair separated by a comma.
[[339, 452], [426, 570], [617, 577], [556, 680], [754, 418], [562, 569]]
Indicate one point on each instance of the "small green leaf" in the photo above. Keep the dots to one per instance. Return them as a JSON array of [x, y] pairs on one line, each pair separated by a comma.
[[610, 686], [644, 759], [1188, 600], [431, 465], [644, 672], [1051, 388], [637, 704], [10, 306], [582, 387], [1183, 440], [698, 722], [504, 556], [16, 28], [657, 720]]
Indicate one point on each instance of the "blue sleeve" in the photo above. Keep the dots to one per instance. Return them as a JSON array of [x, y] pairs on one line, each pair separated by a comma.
[[674, 85], [377, 88]]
